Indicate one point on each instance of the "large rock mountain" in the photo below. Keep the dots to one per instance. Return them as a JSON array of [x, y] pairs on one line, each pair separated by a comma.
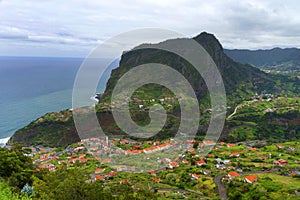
[[241, 81]]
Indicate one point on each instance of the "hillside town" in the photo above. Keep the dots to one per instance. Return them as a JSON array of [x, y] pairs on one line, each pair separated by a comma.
[[230, 162]]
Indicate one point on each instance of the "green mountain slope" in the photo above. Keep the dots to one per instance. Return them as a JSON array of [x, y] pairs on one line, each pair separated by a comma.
[[273, 119], [273, 59], [241, 82]]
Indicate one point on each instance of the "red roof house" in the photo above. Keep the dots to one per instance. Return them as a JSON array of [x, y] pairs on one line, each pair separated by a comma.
[[98, 171], [250, 178], [233, 175], [99, 177], [185, 161], [200, 162], [230, 145], [196, 176], [173, 164], [235, 154]]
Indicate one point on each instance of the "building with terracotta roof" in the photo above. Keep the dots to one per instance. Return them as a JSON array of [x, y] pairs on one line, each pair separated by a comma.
[[230, 145], [250, 178], [200, 162], [279, 146], [123, 181], [195, 176], [124, 141], [83, 160], [185, 161], [73, 160], [189, 142], [98, 171], [173, 164], [97, 158], [209, 143], [235, 154], [232, 175], [131, 152], [156, 179], [211, 155], [191, 149], [231, 167], [112, 173], [99, 178], [291, 148], [107, 160], [152, 172], [280, 162]]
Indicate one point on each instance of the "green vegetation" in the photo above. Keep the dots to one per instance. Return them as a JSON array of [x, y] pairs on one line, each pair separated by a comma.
[[6, 193], [72, 184], [16, 168], [53, 130], [275, 119], [274, 59]]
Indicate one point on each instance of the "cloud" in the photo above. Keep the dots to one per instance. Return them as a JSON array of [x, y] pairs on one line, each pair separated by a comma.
[[77, 24], [10, 32], [57, 39]]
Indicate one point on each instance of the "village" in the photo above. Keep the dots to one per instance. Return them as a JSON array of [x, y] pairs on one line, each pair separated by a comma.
[[201, 167], [230, 162]]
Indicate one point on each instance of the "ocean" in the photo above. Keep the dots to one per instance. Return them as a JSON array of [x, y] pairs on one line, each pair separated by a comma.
[[33, 86]]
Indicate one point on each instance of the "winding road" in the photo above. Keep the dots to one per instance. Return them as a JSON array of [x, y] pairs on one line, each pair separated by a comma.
[[235, 110]]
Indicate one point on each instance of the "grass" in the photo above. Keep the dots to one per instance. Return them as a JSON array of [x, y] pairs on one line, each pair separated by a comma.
[[291, 183]]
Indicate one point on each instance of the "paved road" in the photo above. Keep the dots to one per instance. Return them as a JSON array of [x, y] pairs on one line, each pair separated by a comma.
[[235, 110], [221, 187]]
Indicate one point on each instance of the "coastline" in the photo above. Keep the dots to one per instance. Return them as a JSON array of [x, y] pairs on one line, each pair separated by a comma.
[[3, 141]]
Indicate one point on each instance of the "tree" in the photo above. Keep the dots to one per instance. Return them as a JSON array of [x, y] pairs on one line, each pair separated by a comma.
[[6, 193], [195, 145], [15, 167]]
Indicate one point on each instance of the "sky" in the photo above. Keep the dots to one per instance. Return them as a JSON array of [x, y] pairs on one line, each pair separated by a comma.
[[73, 28]]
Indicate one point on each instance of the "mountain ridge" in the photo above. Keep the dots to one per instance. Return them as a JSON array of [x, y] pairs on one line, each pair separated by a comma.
[[241, 82], [277, 58], [233, 73]]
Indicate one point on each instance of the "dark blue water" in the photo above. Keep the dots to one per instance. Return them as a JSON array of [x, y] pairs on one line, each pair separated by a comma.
[[33, 86]]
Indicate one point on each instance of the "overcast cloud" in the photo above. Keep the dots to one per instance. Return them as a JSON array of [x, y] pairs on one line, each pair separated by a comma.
[[74, 28]]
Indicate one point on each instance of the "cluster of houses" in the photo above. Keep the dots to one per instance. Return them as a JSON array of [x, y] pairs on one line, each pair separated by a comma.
[[259, 97], [91, 149], [263, 97], [156, 146], [290, 148], [141, 102], [99, 175], [46, 160]]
